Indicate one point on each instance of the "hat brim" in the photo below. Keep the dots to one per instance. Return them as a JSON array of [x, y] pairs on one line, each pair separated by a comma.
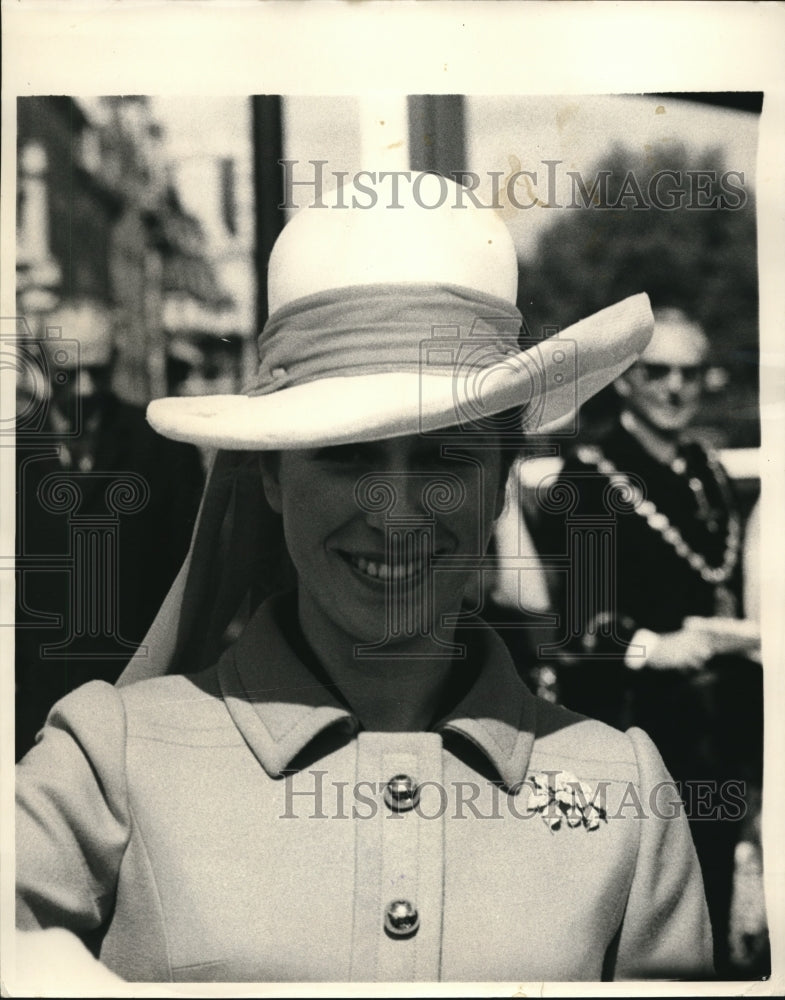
[[549, 380]]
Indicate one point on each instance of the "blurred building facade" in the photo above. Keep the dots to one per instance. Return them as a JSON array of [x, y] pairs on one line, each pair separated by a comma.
[[103, 239], [212, 341]]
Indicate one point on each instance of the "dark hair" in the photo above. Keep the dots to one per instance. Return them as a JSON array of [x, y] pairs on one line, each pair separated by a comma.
[[500, 430]]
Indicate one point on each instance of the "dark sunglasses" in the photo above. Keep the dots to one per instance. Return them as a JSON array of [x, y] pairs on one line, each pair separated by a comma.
[[658, 372]]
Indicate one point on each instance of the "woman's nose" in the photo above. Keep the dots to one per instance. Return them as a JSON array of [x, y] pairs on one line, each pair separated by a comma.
[[393, 497]]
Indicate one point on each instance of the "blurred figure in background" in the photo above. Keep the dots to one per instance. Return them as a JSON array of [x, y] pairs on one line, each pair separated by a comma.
[[104, 514], [652, 629]]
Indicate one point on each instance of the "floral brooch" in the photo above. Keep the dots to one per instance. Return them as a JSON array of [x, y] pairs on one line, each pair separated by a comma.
[[559, 797]]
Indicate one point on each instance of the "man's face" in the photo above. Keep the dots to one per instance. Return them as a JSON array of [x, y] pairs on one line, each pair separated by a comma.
[[82, 379], [664, 388], [371, 528]]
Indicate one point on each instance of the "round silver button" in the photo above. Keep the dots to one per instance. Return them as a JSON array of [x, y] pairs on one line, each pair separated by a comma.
[[401, 919], [401, 793]]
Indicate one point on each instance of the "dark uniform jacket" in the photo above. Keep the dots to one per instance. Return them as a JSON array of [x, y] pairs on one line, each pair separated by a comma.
[[621, 573], [618, 569]]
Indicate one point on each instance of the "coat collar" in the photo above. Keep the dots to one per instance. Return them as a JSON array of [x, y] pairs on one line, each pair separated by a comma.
[[499, 713], [281, 707]]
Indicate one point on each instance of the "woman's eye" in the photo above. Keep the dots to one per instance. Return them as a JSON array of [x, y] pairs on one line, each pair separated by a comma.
[[441, 458], [343, 454]]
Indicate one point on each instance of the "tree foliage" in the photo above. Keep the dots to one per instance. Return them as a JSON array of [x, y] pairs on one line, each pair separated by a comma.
[[700, 257]]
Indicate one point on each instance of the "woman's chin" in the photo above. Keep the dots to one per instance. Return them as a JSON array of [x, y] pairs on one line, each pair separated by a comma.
[[387, 610], [388, 625]]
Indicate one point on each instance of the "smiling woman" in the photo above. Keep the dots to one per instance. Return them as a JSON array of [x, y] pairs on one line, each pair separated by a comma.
[[311, 805], [384, 536]]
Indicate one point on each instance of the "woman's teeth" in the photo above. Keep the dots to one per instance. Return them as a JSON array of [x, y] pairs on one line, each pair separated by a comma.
[[383, 571]]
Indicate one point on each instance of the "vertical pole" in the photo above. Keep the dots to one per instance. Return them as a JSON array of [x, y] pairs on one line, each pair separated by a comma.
[[436, 133], [266, 112]]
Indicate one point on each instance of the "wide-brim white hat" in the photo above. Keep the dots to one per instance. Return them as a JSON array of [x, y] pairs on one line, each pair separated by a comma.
[[393, 313]]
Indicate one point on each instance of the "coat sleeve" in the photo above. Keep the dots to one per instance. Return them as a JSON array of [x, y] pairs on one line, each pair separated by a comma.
[[72, 817], [665, 932]]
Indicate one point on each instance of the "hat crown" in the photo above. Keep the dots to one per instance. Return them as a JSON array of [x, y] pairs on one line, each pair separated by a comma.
[[426, 231]]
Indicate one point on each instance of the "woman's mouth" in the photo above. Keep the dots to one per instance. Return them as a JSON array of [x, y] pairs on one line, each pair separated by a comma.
[[376, 569]]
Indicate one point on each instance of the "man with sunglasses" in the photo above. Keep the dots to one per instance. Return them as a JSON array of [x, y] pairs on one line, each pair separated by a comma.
[[653, 540]]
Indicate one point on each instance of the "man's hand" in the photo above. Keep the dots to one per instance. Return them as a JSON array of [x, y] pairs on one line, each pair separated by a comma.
[[687, 649]]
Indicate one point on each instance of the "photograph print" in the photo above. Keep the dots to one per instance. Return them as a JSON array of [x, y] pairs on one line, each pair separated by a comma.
[[388, 538]]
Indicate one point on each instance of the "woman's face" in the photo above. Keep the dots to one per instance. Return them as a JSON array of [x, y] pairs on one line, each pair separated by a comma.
[[372, 528]]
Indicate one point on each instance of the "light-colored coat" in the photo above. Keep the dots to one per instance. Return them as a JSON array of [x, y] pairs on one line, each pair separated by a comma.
[[232, 826]]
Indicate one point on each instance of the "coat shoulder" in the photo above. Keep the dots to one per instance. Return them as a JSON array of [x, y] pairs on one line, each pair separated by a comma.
[[584, 745], [177, 708]]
